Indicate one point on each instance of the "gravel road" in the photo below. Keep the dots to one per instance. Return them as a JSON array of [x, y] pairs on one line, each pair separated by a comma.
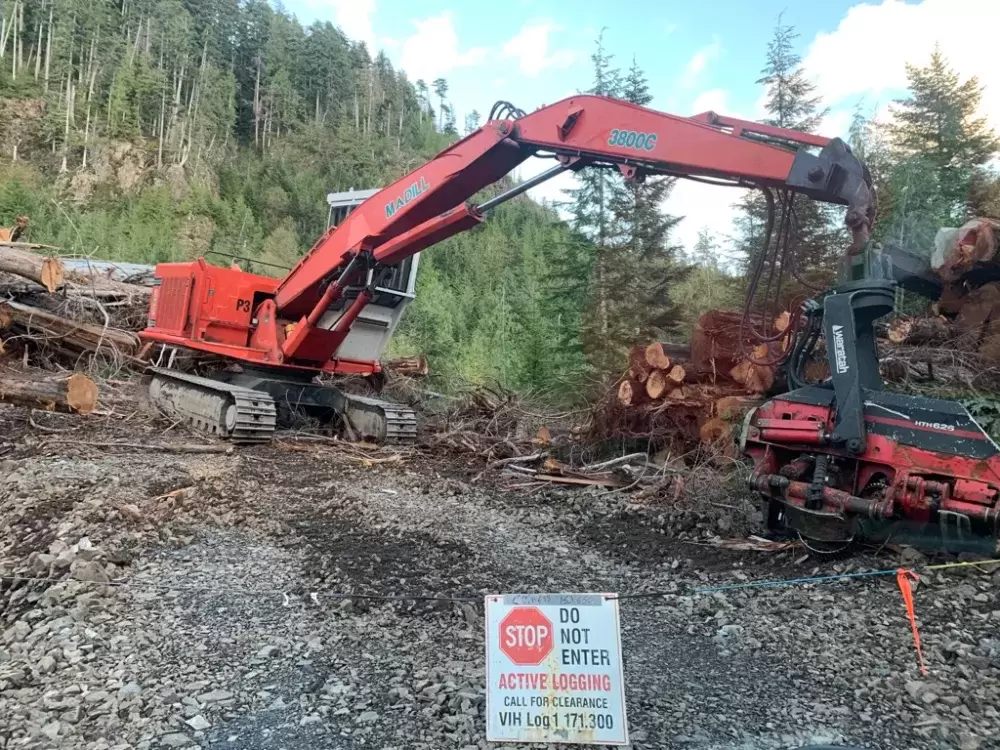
[[228, 633]]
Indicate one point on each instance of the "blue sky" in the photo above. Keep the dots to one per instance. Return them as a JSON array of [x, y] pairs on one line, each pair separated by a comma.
[[696, 55]]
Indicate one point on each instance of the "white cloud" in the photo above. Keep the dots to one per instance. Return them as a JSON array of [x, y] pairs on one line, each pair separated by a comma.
[[669, 29], [836, 123], [703, 206], [531, 49], [433, 50], [354, 17], [868, 52], [713, 100], [699, 61], [389, 42]]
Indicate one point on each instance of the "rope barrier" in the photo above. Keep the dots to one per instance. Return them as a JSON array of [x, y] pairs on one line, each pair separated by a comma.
[[903, 579], [771, 583]]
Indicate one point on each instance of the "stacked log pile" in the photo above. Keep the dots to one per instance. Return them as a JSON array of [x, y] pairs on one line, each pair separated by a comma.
[[61, 320], [690, 397], [956, 345]]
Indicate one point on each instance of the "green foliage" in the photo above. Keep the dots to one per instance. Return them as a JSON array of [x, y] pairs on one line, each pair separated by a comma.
[[704, 288], [986, 411], [791, 96], [623, 242], [938, 123], [489, 309]]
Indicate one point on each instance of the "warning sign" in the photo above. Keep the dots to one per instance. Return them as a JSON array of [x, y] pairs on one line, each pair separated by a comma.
[[554, 669]]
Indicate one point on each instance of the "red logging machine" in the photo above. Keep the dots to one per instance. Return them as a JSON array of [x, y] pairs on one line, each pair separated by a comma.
[[285, 332]]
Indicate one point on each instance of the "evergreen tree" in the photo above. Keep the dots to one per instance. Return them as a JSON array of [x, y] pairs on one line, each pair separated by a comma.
[[791, 103], [791, 97], [472, 122], [441, 91], [590, 208], [939, 121], [706, 250], [642, 263]]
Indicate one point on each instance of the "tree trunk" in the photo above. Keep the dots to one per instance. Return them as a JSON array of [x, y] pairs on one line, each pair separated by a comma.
[[657, 384], [41, 269], [69, 334], [48, 52], [76, 393], [631, 393]]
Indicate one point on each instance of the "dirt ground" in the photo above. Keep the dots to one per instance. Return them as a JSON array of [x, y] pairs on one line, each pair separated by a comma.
[[229, 631]]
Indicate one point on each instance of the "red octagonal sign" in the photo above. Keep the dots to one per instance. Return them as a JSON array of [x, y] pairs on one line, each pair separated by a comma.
[[526, 635]]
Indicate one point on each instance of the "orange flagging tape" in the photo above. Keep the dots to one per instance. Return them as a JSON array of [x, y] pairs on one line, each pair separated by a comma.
[[903, 578]]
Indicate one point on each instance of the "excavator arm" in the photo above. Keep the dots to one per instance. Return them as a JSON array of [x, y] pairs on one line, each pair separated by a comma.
[[428, 204]]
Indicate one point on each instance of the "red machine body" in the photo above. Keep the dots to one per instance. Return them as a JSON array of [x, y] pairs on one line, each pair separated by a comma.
[[926, 461], [275, 323]]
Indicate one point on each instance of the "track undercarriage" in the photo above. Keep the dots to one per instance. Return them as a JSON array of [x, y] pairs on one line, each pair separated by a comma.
[[247, 406]]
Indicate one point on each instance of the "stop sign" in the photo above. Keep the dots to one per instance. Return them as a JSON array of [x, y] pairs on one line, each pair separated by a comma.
[[526, 635]]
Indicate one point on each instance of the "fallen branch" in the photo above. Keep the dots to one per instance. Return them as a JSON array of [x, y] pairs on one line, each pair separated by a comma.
[[604, 465], [586, 481], [518, 460], [168, 448]]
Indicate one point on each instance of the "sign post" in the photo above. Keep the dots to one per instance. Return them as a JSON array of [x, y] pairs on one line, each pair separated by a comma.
[[554, 669]]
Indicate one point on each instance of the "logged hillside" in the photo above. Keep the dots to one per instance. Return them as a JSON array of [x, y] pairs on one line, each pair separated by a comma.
[[159, 130]]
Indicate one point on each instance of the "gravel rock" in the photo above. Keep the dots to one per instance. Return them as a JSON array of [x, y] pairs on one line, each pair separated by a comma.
[[198, 723], [175, 739]]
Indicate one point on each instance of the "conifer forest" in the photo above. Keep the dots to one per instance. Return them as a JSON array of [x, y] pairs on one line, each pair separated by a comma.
[[159, 130]]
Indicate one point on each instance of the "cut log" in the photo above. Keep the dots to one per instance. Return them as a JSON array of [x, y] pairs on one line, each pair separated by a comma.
[[14, 233], [657, 357], [676, 375], [929, 331], [76, 393], [731, 408], [62, 332], [657, 384], [638, 368], [48, 272], [631, 393], [414, 367], [714, 430]]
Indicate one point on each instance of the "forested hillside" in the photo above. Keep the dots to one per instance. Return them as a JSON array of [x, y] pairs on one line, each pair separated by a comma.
[[153, 130]]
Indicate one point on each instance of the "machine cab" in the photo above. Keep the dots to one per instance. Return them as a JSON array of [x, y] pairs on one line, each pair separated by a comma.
[[374, 328]]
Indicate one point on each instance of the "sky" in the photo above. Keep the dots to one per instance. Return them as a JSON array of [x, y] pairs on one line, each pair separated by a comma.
[[697, 56]]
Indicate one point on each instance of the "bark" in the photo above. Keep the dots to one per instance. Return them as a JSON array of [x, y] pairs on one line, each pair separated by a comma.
[[76, 393], [48, 51], [637, 367], [657, 384], [46, 271], [732, 408], [631, 393]]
